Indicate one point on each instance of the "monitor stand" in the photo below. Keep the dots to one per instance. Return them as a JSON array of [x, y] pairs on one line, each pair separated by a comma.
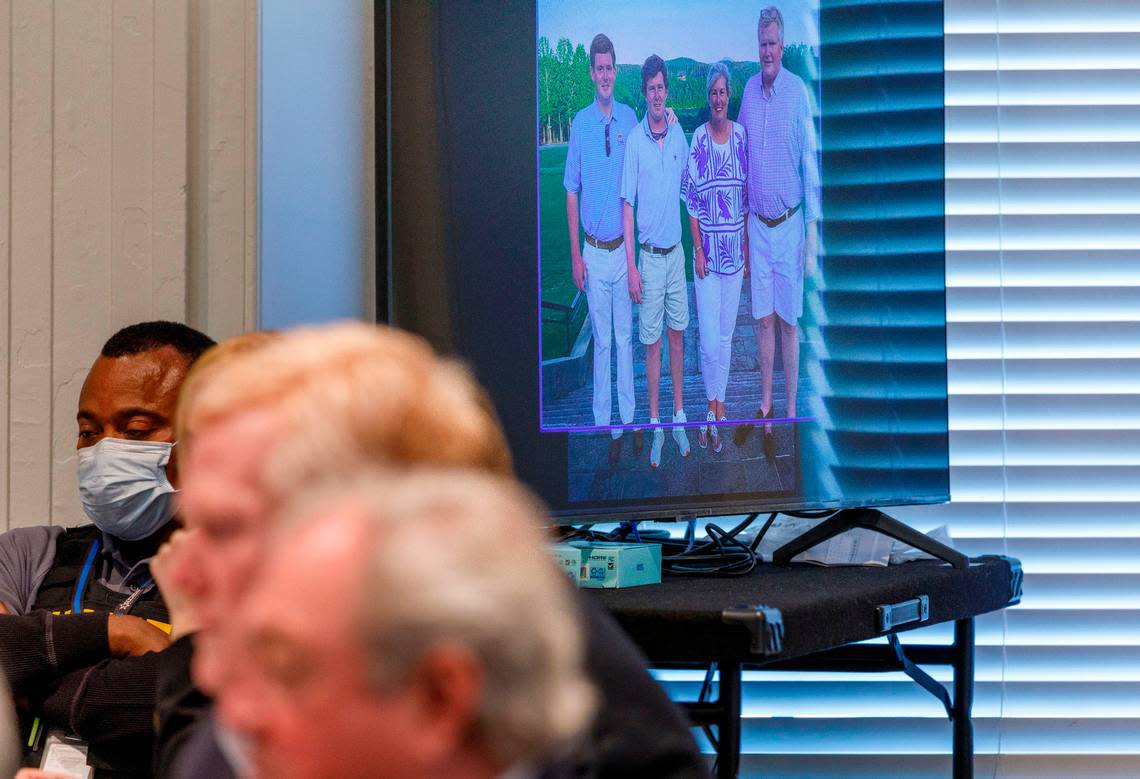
[[871, 519]]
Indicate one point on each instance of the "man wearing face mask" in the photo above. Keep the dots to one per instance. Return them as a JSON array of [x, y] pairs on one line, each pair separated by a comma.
[[80, 616]]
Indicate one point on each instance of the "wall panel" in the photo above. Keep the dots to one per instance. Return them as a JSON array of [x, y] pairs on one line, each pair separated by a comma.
[[95, 206], [30, 273], [82, 230], [5, 243]]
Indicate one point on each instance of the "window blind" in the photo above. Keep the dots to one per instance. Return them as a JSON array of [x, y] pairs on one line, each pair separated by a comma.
[[1043, 283]]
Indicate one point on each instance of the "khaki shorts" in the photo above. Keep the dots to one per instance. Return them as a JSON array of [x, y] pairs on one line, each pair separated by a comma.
[[664, 293]]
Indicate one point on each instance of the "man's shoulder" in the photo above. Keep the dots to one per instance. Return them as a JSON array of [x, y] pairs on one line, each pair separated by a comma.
[[789, 81], [790, 77], [37, 537], [677, 137], [625, 115], [586, 113], [27, 554], [638, 141], [752, 84]]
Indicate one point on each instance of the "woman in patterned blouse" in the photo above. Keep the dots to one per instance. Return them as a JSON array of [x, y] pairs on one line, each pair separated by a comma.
[[714, 193]]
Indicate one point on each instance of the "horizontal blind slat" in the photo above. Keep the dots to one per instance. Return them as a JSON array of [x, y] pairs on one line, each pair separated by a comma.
[[1042, 162]]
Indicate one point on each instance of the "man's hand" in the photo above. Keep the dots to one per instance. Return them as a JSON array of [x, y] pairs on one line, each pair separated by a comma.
[[577, 265], [129, 636], [634, 284], [179, 602], [744, 243], [810, 250], [632, 274], [578, 270], [671, 116], [700, 262]]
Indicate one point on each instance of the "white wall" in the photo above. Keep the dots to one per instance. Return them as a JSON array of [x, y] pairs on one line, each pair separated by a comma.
[[127, 165]]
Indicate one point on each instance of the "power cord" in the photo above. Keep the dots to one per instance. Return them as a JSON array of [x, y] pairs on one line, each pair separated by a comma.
[[723, 553]]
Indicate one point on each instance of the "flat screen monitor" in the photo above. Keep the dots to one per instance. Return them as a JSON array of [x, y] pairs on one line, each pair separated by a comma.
[[626, 216]]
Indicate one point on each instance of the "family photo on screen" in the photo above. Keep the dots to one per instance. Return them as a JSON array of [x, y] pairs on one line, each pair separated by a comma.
[[679, 208]]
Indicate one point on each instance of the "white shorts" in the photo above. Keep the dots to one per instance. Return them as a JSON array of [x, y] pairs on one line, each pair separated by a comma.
[[664, 293], [776, 267]]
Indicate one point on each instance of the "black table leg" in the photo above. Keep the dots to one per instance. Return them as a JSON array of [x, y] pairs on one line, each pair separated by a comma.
[[728, 729], [963, 698]]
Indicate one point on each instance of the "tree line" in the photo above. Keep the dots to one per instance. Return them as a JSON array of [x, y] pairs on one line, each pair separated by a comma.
[[564, 85]]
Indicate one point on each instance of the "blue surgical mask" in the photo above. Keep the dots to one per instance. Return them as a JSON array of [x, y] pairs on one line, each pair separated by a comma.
[[123, 486]]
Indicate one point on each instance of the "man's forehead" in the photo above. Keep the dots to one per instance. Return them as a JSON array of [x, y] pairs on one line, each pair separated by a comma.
[[252, 427], [146, 377], [224, 457]]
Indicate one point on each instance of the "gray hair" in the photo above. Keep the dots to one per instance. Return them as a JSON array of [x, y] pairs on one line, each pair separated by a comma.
[[718, 70], [458, 557], [770, 15]]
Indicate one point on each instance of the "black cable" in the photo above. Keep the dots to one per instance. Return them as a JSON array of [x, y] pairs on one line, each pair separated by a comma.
[[722, 553], [716, 533], [763, 531], [715, 557]]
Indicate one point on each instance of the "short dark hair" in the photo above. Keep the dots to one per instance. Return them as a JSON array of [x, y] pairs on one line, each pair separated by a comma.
[[602, 45], [147, 336], [651, 68]]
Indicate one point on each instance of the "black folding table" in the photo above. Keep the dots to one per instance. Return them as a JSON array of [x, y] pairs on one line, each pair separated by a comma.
[[805, 617]]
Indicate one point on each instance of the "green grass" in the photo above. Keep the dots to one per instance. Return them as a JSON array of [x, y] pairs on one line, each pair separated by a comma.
[[557, 282]]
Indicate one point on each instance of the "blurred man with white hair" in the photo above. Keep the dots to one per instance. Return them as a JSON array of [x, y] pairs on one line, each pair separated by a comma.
[[456, 651], [259, 425]]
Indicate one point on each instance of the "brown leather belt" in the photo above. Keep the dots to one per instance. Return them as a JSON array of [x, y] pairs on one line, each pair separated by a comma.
[[778, 219], [648, 247], [606, 246]]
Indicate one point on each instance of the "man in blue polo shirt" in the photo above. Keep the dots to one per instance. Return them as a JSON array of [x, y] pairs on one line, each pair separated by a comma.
[[654, 162], [594, 158]]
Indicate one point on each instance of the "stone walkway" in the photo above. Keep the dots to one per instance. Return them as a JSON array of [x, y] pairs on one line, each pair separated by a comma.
[[704, 472]]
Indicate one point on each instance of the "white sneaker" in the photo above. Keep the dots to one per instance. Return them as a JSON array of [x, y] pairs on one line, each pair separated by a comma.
[[703, 432], [658, 443], [714, 434], [717, 443], [679, 434]]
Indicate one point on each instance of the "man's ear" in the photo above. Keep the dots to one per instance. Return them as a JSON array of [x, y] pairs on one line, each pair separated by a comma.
[[447, 688]]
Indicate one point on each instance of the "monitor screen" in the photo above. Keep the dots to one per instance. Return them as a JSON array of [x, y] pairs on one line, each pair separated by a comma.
[[694, 250]]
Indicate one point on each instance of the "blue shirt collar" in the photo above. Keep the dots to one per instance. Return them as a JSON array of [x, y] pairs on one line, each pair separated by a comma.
[[599, 114]]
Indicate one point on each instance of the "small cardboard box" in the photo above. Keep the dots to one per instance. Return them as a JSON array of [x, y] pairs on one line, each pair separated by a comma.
[[608, 565], [569, 557]]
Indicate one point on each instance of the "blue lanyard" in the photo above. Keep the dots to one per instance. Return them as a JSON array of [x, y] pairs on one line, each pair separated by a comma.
[[77, 599]]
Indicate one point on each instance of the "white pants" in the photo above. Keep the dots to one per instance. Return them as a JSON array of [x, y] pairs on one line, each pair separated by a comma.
[[718, 300], [776, 258], [611, 315]]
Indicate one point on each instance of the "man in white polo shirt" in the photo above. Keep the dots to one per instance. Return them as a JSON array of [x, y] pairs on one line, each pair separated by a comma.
[[655, 159]]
